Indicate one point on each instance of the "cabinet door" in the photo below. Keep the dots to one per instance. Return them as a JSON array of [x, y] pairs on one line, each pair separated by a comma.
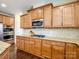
[[77, 14], [27, 21], [71, 51], [10, 21], [4, 20], [32, 43], [7, 20], [5, 55], [68, 16], [20, 43], [27, 44], [37, 47], [58, 50], [57, 17], [33, 14], [1, 18], [77, 52], [46, 49], [22, 21], [37, 13], [47, 16]]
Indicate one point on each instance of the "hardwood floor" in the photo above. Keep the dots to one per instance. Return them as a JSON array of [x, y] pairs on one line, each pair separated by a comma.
[[18, 54], [23, 55]]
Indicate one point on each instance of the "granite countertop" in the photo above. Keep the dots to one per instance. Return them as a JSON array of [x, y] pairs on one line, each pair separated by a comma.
[[70, 40], [3, 46]]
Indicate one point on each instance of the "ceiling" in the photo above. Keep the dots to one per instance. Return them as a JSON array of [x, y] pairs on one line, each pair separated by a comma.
[[18, 6]]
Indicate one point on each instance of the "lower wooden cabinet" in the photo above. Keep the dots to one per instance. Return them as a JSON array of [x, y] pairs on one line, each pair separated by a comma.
[[20, 43], [37, 47], [27, 45], [5, 55], [17, 42], [77, 52], [31, 45], [58, 50], [71, 51], [46, 49]]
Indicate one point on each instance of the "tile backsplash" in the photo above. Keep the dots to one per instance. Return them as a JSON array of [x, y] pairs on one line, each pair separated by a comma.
[[63, 33]]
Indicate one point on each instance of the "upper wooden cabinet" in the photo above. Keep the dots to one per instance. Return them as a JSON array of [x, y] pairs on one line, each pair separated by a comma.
[[77, 14], [22, 21], [26, 21], [48, 16], [37, 13], [68, 16], [1, 18], [7, 20], [62, 16], [57, 17]]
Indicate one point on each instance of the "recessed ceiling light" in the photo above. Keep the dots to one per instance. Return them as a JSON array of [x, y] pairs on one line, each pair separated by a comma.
[[3, 5]]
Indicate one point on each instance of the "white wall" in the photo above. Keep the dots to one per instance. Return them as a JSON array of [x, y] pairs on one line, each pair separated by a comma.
[[63, 33]]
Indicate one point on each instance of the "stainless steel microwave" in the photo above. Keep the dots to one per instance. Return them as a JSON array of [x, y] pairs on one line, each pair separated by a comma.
[[37, 23]]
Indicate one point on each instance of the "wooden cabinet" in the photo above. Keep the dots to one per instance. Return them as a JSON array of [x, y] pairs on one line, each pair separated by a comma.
[[22, 21], [26, 21], [7, 20], [77, 14], [48, 16], [1, 18], [37, 13], [20, 43], [46, 49], [77, 52], [58, 50], [5, 55], [37, 47], [31, 45], [17, 42], [27, 44], [57, 17], [71, 51], [68, 16]]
